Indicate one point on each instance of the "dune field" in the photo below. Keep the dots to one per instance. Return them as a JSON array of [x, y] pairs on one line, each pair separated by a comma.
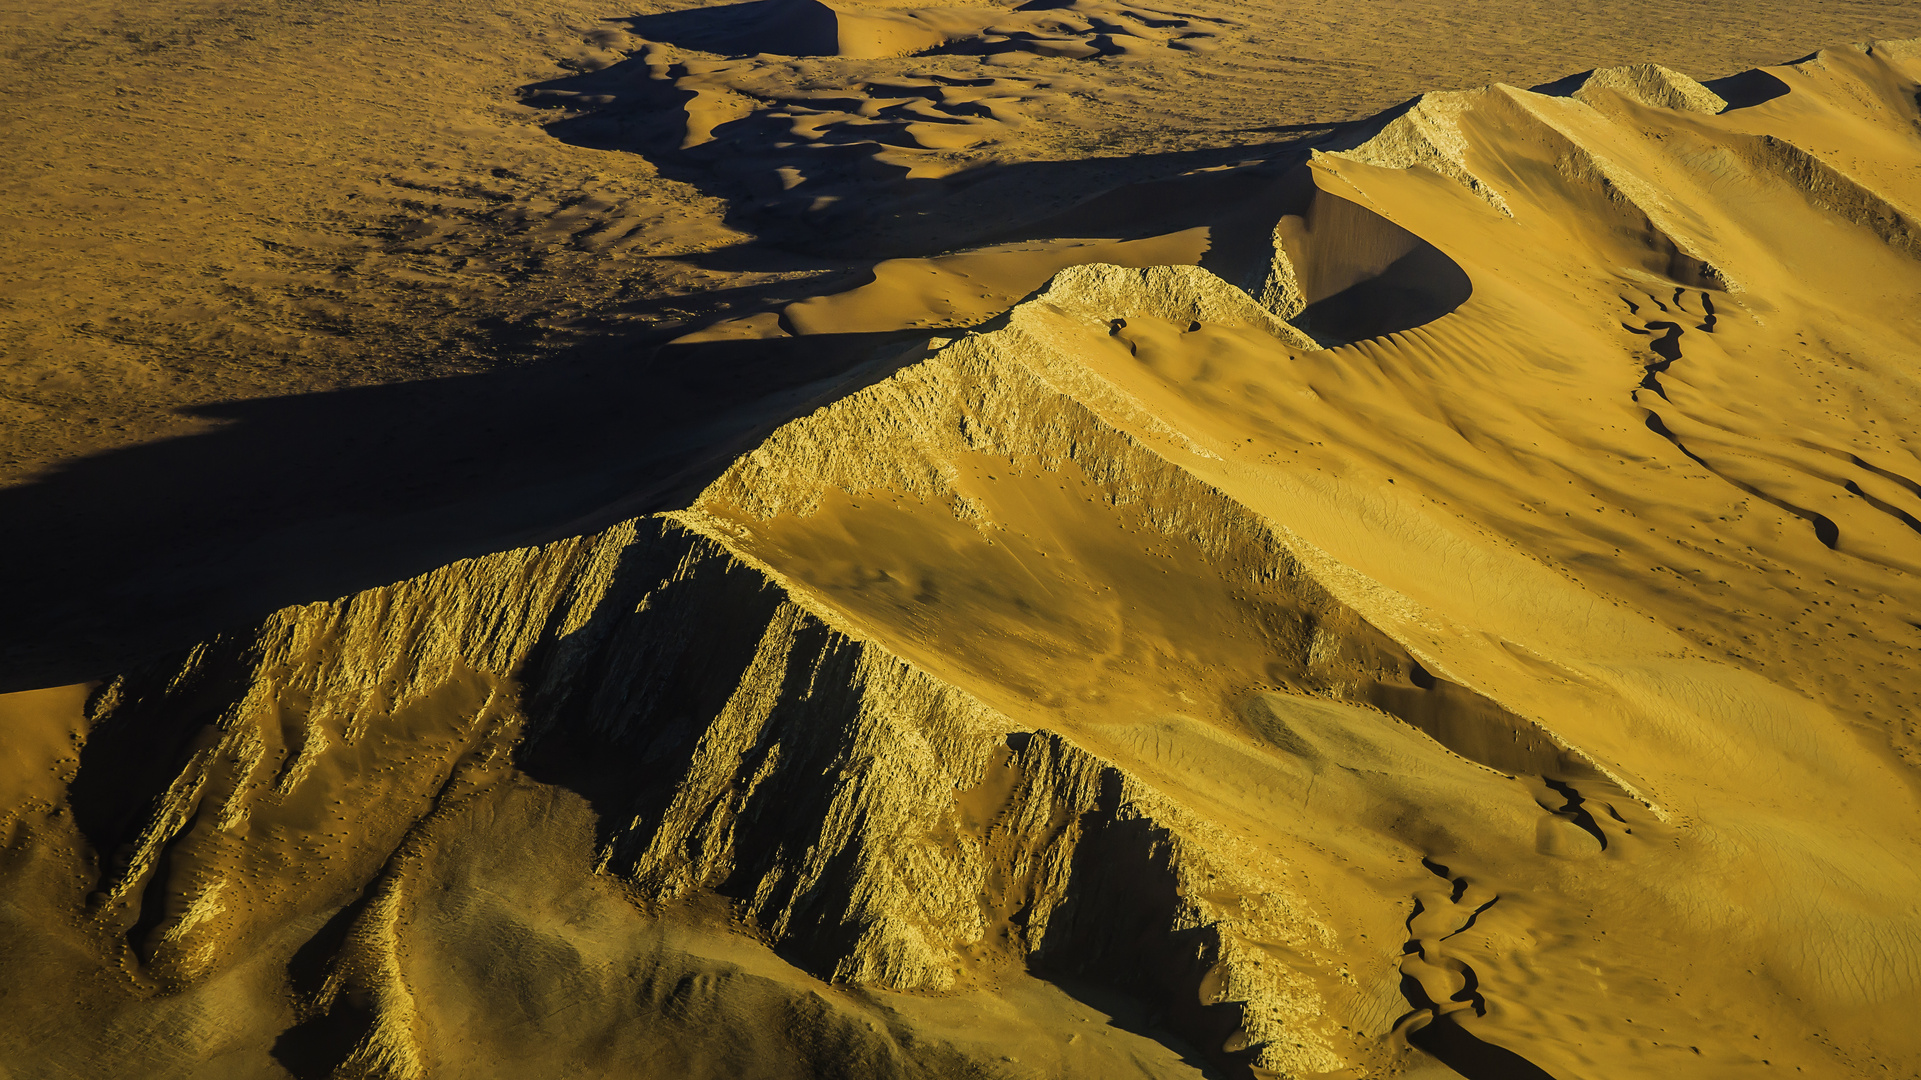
[[1072, 539]]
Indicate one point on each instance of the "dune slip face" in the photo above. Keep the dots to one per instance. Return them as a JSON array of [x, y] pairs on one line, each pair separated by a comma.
[[1433, 597]]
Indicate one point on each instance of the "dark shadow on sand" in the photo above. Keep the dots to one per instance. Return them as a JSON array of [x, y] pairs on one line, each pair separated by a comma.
[[847, 203], [1458, 1049], [125, 555], [122, 556], [781, 27], [128, 553]]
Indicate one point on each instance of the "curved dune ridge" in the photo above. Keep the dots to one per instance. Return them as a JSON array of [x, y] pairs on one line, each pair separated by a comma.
[[1450, 608]]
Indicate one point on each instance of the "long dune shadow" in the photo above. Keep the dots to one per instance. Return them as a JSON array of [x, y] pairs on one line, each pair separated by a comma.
[[781, 27], [298, 499], [128, 553], [121, 556], [1474, 1059]]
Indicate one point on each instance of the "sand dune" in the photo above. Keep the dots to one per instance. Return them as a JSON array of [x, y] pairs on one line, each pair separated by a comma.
[[1433, 598]]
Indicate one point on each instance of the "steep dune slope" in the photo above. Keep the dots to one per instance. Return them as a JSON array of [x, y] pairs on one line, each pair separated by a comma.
[[1478, 637]]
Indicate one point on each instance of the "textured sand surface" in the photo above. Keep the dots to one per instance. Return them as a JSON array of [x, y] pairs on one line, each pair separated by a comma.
[[962, 541]]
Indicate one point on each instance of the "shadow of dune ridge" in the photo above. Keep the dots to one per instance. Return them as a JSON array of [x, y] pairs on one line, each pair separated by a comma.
[[781, 27], [1360, 275], [809, 175], [1470, 1056], [126, 554], [1111, 942], [846, 175], [129, 553], [132, 552]]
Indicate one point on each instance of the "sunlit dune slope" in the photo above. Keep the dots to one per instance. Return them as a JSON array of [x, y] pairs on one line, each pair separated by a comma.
[[1468, 626], [1648, 486]]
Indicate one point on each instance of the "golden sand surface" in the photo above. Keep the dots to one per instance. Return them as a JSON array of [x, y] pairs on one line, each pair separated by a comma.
[[895, 540]]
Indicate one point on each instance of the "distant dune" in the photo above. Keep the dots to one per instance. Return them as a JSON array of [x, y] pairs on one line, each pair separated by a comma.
[[1432, 595]]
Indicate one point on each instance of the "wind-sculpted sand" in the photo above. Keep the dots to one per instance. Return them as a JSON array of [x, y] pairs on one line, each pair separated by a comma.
[[1433, 597]]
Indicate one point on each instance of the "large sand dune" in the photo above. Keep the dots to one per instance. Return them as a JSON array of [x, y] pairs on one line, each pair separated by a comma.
[[1432, 597]]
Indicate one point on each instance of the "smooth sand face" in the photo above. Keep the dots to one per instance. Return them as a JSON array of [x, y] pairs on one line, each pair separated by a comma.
[[1435, 602]]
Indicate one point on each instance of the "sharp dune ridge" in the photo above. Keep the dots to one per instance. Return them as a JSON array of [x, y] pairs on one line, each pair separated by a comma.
[[1436, 597]]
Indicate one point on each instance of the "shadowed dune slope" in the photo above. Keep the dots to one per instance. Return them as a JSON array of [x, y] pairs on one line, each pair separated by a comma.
[[1450, 612]]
